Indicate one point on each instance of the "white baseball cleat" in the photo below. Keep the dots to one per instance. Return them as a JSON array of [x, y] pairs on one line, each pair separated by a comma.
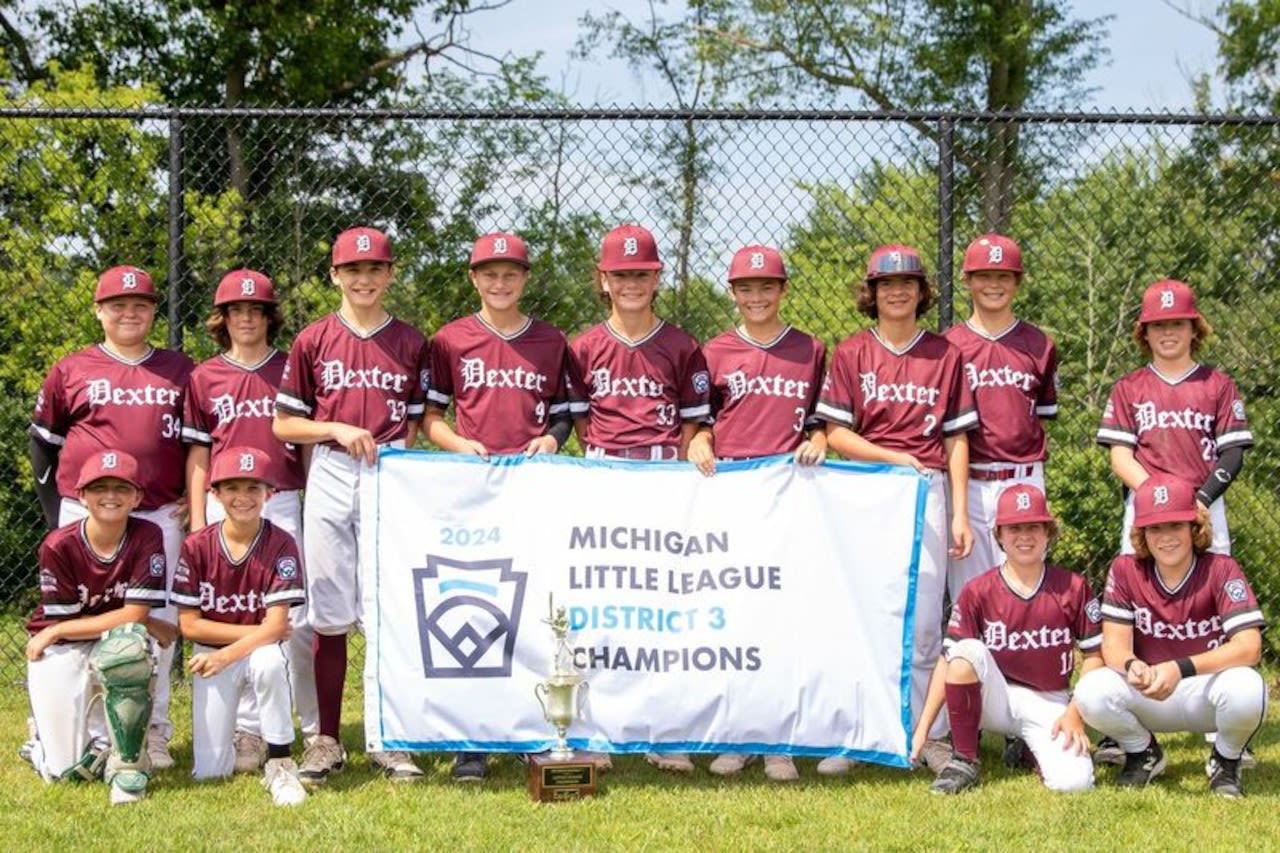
[[280, 778]]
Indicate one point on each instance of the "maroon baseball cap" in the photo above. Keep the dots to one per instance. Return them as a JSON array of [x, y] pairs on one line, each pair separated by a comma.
[[894, 259], [109, 463], [993, 252], [1022, 504], [125, 281], [1168, 299], [1161, 499], [629, 247], [361, 244], [499, 246], [239, 463], [757, 262], [244, 285]]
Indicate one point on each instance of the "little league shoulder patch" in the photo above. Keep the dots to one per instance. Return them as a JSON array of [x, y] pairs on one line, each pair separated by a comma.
[[157, 565], [1236, 590], [1093, 610], [701, 382], [287, 568]]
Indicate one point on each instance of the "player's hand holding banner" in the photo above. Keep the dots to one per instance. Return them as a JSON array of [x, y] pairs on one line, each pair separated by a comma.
[[766, 609]]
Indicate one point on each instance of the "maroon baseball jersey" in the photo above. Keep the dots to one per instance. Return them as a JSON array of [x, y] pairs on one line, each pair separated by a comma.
[[904, 400], [1176, 426], [763, 394], [1013, 377], [238, 592], [230, 404], [376, 381], [75, 582], [1213, 602], [93, 400], [639, 393], [1032, 639], [504, 388]]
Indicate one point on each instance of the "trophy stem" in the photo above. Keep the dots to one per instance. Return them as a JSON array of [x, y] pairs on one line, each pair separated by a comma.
[[561, 750]]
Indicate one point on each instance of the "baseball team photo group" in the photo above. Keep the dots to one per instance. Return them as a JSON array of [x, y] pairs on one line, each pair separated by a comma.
[[739, 555]]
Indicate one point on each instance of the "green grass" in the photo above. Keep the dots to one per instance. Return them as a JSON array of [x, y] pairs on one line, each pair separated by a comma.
[[639, 808]]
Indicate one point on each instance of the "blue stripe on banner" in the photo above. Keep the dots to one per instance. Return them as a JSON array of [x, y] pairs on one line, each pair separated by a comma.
[[909, 615], [887, 759], [436, 456], [491, 590]]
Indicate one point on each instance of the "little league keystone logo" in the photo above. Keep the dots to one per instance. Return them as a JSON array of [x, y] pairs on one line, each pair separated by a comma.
[[468, 616]]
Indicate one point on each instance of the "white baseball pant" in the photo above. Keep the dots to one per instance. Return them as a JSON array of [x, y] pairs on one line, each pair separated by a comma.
[[66, 706], [1018, 711], [1221, 543], [284, 510], [215, 700], [169, 518], [931, 581], [983, 495], [331, 540], [1232, 702]]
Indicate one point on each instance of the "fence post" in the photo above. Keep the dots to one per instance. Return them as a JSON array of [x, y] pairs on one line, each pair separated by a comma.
[[177, 227], [946, 222]]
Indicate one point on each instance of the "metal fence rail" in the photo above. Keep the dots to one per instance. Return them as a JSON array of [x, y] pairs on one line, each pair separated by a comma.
[[1102, 203]]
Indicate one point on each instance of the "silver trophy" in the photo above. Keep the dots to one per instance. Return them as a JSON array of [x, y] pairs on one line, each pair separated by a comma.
[[564, 694]]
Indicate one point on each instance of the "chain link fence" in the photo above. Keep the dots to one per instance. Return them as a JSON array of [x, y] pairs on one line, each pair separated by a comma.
[[1102, 205]]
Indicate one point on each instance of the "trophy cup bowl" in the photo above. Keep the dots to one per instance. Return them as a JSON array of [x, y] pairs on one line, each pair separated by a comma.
[[561, 697]]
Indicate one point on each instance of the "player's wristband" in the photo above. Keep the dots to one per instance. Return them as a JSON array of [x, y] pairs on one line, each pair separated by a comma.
[[1128, 664], [1186, 667]]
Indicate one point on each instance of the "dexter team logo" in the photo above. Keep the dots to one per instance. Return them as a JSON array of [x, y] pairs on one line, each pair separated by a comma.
[[109, 461], [995, 254], [468, 616], [128, 281], [246, 462], [757, 260], [1160, 496], [630, 246], [499, 245], [1023, 501], [1166, 300], [363, 243], [247, 287]]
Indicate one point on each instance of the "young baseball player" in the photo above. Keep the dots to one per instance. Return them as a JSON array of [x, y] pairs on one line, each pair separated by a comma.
[[230, 401], [1011, 368], [645, 383], [101, 579], [355, 381], [1181, 639], [121, 394], [765, 379], [236, 581], [1175, 416], [506, 376], [1009, 654], [896, 393]]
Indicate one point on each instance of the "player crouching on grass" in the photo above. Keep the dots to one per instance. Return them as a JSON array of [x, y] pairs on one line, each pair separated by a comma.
[[752, 421], [1181, 637], [1009, 654], [235, 583], [100, 578]]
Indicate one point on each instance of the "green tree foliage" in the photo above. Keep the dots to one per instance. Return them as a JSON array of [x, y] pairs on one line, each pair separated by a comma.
[[996, 55]]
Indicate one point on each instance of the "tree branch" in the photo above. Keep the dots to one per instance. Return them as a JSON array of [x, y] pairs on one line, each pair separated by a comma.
[[30, 71]]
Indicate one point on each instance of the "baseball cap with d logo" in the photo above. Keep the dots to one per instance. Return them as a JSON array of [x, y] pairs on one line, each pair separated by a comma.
[[757, 262], [125, 281], [629, 247], [239, 463], [109, 463], [1162, 499], [361, 244], [1168, 299], [1022, 504], [244, 285], [499, 246]]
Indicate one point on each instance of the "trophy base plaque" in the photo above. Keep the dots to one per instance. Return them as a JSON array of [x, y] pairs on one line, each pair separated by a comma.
[[558, 780]]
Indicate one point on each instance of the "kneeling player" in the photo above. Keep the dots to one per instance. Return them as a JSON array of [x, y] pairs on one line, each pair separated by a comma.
[[1181, 637], [100, 577], [1009, 654], [235, 583]]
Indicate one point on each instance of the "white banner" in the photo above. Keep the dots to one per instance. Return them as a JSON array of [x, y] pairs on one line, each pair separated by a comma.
[[766, 609]]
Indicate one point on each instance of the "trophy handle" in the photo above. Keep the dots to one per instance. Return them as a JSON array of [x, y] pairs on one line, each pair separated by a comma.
[[539, 692], [582, 700]]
